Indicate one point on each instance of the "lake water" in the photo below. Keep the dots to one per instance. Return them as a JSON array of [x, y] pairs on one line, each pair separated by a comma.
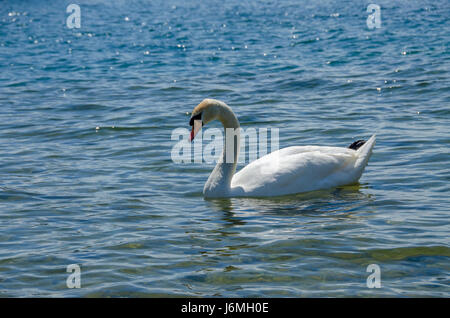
[[87, 177]]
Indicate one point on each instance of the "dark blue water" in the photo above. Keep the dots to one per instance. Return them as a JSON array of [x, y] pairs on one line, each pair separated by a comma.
[[87, 178]]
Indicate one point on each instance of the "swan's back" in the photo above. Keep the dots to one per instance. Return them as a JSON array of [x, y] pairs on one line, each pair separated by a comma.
[[301, 169]]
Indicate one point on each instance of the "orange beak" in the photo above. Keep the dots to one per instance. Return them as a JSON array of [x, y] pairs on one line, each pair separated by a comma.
[[195, 129]]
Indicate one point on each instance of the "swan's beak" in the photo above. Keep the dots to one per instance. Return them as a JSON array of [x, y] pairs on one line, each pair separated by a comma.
[[195, 129]]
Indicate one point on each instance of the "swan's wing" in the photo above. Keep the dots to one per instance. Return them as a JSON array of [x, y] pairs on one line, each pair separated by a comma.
[[296, 169]]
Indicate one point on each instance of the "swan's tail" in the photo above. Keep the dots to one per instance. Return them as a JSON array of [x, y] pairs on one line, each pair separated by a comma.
[[357, 144], [364, 151]]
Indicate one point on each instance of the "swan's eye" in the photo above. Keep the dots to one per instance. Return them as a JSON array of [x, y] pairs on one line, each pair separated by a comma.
[[194, 118]]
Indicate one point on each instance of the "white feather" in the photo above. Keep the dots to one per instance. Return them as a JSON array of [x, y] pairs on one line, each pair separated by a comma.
[[301, 169]]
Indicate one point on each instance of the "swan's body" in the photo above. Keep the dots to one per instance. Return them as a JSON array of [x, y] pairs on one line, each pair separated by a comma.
[[286, 171]]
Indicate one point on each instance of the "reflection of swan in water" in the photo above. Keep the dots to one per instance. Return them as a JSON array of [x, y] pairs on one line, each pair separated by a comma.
[[338, 202], [286, 171], [225, 205]]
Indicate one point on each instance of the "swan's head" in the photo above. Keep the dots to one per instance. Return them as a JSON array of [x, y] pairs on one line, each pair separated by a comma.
[[205, 112]]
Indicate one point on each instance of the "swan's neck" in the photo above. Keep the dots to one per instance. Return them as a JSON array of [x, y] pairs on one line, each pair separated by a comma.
[[219, 181]]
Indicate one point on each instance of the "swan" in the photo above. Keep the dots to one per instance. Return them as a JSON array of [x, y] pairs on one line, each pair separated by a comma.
[[289, 170]]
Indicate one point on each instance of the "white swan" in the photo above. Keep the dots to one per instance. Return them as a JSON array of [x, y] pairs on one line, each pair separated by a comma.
[[286, 171]]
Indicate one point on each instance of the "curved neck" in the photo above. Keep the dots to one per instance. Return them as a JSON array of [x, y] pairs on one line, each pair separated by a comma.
[[219, 181]]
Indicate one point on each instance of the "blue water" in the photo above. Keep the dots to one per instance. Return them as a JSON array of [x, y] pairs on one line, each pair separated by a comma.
[[87, 178]]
